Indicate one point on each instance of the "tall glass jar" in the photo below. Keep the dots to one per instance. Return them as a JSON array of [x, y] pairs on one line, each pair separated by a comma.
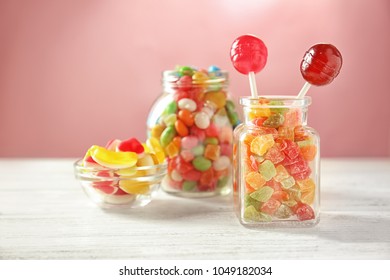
[[276, 163], [193, 120]]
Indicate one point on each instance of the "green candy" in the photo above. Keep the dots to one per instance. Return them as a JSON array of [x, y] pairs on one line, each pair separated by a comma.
[[171, 108], [230, 107], [263, 194], [167, 136], [222, 181], [201, 163], [250, 213], [304, 143], [277, 103], [185, 71], [189, 186], [248, 201], [267, 170], [198, 150], [211, 140], [274, 120], [287, 183], [170, 119], [283, 212]]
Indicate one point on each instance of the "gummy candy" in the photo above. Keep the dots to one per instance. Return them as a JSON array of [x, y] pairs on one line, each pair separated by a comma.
[[255, 180], [275, 155], [212, 152], [261, 144], [267, 170], [112, 159], [270, 206], [251, 214], [263, 194], [130, 145]]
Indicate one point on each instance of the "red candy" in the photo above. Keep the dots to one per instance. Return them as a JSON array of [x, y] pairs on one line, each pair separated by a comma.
[[248, 54], [131, 145], [304, 212], [321, 64]]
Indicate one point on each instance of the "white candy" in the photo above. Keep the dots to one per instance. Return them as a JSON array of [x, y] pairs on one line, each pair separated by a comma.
[[221, 163], [202, 120], [186, 103], [208, 111], [175, 176]]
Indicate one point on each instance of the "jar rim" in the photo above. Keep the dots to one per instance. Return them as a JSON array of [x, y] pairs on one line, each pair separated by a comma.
[[172, 76], [275, 101]]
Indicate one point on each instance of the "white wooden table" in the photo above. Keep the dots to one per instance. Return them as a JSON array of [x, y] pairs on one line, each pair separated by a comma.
[[45, 215]]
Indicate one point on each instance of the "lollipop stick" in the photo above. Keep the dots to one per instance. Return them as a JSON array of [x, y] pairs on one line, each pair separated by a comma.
[[304, 90], [252, 83]]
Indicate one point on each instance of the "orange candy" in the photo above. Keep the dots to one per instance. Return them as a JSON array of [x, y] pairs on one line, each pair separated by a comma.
[[207, 177], [177, 141], [212, 151], [309, 152], [181, 128], [186, 117]]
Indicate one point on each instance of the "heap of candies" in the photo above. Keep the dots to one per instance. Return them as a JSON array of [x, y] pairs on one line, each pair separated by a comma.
[[195, 131], [115, 167], [277, 153]]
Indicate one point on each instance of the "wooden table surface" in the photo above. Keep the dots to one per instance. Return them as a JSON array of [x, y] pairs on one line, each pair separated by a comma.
[[44, 214]]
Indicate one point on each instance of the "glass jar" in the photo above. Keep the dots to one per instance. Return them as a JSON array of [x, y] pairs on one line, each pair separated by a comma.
[[193, 119], [276, 163]]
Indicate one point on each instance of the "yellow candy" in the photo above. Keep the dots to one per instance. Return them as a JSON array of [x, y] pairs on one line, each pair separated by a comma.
[[111, 159], [259, 112], [199, 77], [261, 144], [255, 180], [172, 150], [146, 148], [307, 187], [281, 173], [216, 97], [127, 172], [146, 160], [155, 148], [132, 187], [157, 130]]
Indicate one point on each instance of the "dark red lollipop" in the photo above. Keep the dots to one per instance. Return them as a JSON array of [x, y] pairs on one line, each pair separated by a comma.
[[248, 54], [321, 64]]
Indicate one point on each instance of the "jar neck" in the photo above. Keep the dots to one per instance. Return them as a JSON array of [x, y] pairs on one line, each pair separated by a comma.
[[172, 82], [288, 111]]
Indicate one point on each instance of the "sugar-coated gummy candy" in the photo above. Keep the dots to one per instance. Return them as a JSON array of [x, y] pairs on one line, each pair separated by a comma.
[[309, 152], [261, 144], [212, 151], [274, 120], [267, 170], [255, 180], [283, 212], [274, 154], [201, 163], [304, 212], [262, 194], [270, 206], [281, 173], [288, 182], [251, 214]]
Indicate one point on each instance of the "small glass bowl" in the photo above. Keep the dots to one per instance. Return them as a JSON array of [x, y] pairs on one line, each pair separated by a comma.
[[120, 188]]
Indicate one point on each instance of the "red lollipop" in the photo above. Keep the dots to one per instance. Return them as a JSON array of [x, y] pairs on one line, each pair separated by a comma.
[[249, 56], [319, 66]]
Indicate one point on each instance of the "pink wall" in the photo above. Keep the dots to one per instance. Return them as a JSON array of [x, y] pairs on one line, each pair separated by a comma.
[[75, 73]]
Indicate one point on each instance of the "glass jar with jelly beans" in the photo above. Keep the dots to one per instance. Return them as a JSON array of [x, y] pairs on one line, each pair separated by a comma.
[[276, 163], [193, 120]]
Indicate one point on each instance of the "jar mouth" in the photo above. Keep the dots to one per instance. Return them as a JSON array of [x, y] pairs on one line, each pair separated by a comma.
[[275, 101], [172, 76]]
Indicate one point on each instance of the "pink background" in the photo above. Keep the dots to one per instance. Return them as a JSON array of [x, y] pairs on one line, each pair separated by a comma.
[[75, 73]]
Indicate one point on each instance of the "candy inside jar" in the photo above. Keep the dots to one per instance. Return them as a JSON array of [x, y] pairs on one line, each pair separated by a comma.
[[193, 120], [276, 163]]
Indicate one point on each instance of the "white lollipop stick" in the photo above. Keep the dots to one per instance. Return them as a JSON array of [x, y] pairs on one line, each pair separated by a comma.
[[252, 83], [304, 90]]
